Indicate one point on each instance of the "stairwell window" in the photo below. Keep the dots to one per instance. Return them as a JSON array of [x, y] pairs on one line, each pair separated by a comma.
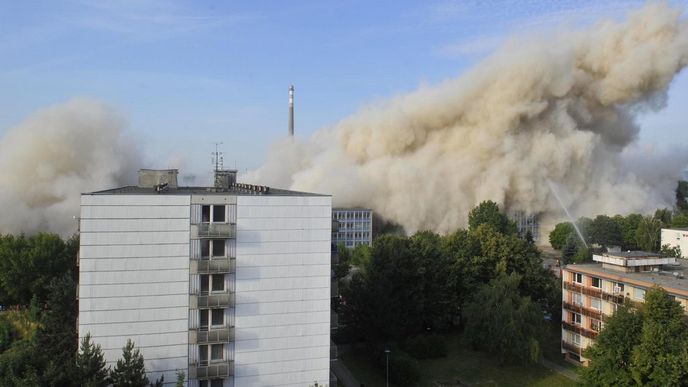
[[218, 282], [217, 316], [217, 352], [214, 213]]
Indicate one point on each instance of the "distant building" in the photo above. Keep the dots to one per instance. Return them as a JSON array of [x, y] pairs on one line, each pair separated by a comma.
[[676, 237], [592, 292], [526, 223], [354, 226], [230, 283]]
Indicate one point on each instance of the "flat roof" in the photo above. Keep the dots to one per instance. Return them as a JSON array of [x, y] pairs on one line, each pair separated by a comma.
[[631, 254], [136, 190], [647, 279], [675, 228]]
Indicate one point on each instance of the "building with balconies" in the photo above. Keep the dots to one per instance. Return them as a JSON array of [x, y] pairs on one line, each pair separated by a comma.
[[592, 292], [230, 283]]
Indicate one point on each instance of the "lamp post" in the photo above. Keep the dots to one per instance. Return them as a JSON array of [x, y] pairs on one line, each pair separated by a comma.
[[387, 352]]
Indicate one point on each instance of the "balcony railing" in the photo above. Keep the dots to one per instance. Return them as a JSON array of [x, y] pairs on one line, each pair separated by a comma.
[[213, 230], [596, 314], [205, 370], [589, 333], [573, 286], [611, 297], [211, 335], [213, 266], [571, 347], [211, 300]]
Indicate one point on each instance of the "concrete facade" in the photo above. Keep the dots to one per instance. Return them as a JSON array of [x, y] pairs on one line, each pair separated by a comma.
[[156, 268], [676, 237], [355, 226]]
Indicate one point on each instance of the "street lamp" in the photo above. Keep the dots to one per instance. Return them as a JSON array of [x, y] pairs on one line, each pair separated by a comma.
[[387, 352]]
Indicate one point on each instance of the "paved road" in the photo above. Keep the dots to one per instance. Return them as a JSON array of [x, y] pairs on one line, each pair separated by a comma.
[[560, 369]]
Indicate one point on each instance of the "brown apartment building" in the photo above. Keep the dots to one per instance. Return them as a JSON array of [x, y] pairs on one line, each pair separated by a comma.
[[592, 292]]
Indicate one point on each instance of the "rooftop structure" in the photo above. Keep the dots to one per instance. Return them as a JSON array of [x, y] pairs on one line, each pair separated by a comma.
[[591, 292], [676, 237], [230, 283]]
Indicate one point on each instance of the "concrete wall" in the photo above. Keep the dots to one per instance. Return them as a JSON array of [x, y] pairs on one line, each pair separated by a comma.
[[282, 319], [134, 277], [675, 238]]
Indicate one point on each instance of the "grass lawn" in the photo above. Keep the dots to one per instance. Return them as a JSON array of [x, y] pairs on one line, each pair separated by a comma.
[[551, 348], [462, 365]]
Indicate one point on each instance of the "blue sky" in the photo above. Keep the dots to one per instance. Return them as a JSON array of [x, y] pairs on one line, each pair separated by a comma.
[[187, 74]]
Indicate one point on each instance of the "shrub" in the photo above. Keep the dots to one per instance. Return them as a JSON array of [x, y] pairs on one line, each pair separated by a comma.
[[426, 346]]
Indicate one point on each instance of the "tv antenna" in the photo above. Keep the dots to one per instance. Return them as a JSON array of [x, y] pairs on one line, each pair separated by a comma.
[[217, 157]]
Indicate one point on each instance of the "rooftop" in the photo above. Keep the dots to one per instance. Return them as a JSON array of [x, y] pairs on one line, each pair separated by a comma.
[[239, 190], [664, 277]]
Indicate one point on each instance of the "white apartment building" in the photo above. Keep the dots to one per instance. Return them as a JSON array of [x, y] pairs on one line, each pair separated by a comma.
[[230, 284], [676, 237]]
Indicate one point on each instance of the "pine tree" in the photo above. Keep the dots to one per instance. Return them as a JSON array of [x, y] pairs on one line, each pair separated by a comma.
[[129, 371], [180, 379], [90, 364]]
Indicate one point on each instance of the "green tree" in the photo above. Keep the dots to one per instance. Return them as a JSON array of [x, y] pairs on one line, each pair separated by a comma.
[[433, 265], [628, 229], [504, 323], [585, 226], [582, 255], [647, 235], [90, 364], [181, 377], [605, 231], [668, 251], [561, 232], [664, 215], [488, 212], [570, 249], [610, 355], [660, 357], [129, 370], [680, 221]]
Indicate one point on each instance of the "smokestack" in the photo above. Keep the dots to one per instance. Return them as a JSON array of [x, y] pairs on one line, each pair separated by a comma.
[[291, 110]]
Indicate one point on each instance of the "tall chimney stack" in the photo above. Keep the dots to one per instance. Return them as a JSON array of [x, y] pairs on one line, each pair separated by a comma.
[[291, 110]]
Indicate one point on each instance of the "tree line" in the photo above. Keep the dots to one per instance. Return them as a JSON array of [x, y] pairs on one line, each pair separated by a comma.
[[485, 280]]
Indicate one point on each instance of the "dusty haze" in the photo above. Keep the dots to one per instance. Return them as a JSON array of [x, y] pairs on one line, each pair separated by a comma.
[[54, 155], [560, 109]]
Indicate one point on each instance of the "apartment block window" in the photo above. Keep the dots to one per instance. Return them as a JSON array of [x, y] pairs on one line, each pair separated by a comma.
[[214, 248], [218, 282], [577, 299], [203, 354], [205, 284], [639, 294], [576, 339], [213, 214], [618, 288], [217, 316], [595, 325], [204, 318], [211, 383], [576, 318], [217, 352], [596, 282], [596, 303], [578, 278]]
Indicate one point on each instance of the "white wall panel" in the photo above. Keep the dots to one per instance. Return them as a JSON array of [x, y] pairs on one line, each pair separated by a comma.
[[286, 320], [282, 307], [282, 295], [134, 276], [300, 271]]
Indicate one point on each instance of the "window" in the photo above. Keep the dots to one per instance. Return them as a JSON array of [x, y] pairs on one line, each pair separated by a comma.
[[639, 294], [204, 318], [596, 303], [203, 354], [218, 282], [218, 246], [205, 214], [578, 278], [218, 316], [576, 339], [205, 284], [595, 325], [576, 318], [618, 288], [216, 383], [596, 282], [219, 214], [577, 299], [217, 351]]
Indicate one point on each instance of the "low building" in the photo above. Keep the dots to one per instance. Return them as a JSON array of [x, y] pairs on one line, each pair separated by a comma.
[[676, 237], [354, 226], [592, 292]]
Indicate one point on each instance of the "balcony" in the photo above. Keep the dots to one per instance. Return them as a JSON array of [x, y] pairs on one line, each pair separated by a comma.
[[211, 335], [589, 333], [213, 230], [594, 313], [612, 297], [573, 286], [571, 347], [205, 370], [213, 266], [211, 300]]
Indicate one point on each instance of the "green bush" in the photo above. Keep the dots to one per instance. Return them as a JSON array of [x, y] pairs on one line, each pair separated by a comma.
[[403, 369], [426, 346]]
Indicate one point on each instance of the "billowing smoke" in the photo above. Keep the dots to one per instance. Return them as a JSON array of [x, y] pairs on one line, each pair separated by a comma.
[[559, 109], [53, 156]]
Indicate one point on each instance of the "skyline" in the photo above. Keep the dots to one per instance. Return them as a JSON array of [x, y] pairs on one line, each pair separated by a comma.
[[184, 76]]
